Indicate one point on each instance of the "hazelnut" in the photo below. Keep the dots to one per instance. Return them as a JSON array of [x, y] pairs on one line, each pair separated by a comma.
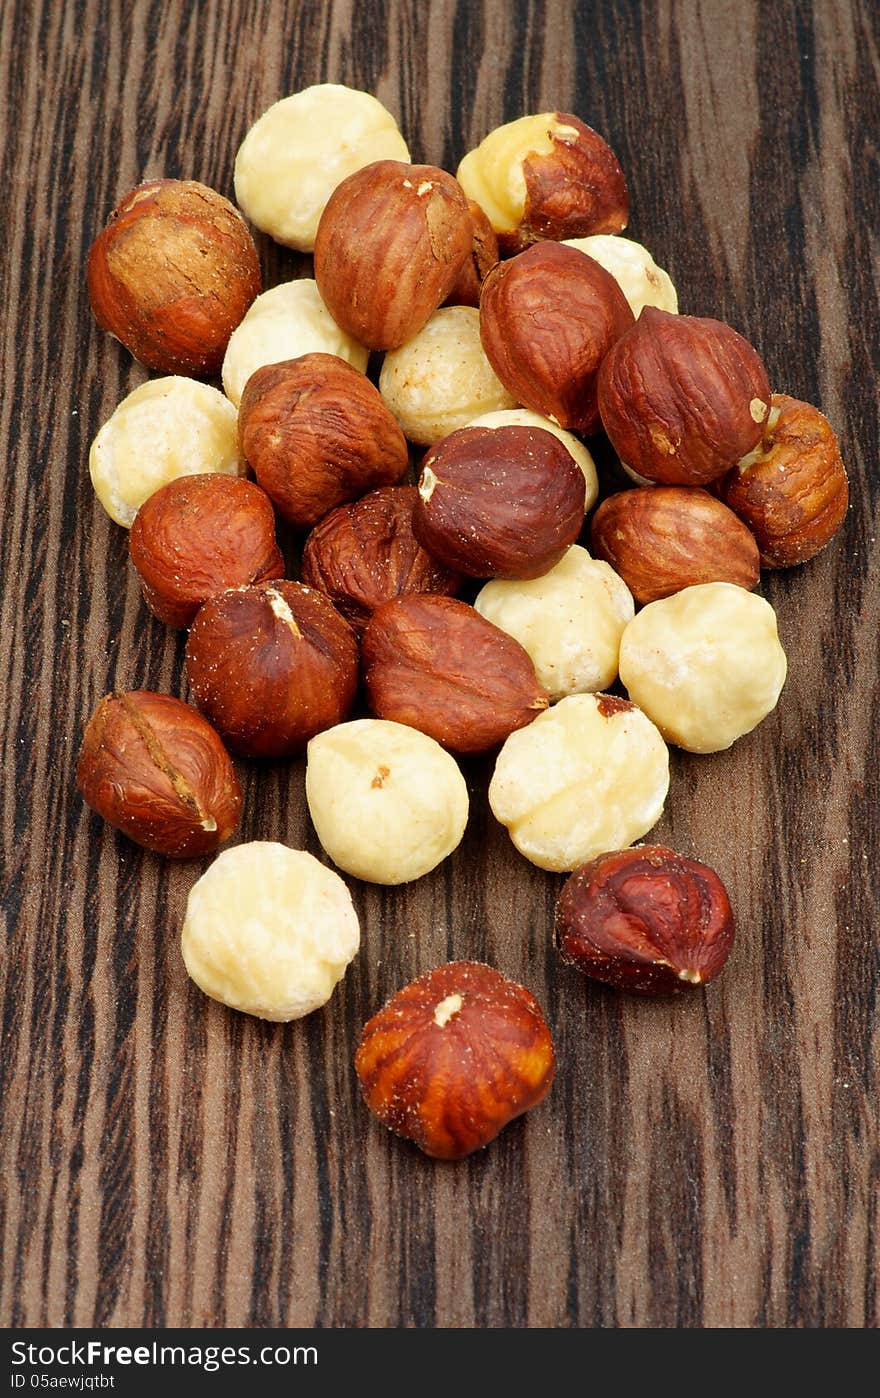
[[271, 665], [792, 490], [295, 155], [164, 429], [499, 502], [682, 398], [441, 378], [388, 804], [545, 176], [155, 769], [317, 433], [437, 665], [455, 1056], [705, 665], [390, 246], [547, 320], [524, 417], [668, 537], [646, 920], [284, 323], [642, 282], [589, 775], [197, 536], [172, 275], [569, 621], [269, 931], [366, 553], [484, 256]]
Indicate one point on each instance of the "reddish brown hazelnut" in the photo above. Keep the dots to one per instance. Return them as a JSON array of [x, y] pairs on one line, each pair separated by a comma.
[[661, 539], [435, 664], [792, 490], [484, 256], [172, 275], [646, 920], [548, 318], [455, 1056], [197, 536], [500, 502], [389, 249], [272, 665], [366, 553], [155, 769], [682, 398], [317, 433]]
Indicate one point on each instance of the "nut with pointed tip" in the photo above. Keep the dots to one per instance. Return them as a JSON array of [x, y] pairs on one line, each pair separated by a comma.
[[501, 502], [454, 1057], [663, 538], [484, 256], [437, 665], [366, 553], [682, 397], [155, 769], [172, 275], [646, 920], [389, 249], [271, 665], [548, 318], [792, 490]]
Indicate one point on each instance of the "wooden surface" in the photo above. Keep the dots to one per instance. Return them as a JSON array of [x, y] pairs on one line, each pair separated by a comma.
[[712, 1161]]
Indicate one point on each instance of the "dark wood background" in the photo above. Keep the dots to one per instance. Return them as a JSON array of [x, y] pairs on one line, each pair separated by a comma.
[[708, 1162]]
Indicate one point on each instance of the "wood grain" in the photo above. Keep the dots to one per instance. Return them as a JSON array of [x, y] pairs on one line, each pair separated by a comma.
[[710, 1162]]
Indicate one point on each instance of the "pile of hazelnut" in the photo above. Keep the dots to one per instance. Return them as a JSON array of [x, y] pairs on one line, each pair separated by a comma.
[[499, 367]]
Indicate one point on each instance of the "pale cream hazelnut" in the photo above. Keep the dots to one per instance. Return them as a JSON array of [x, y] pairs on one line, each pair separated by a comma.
[[642, 282], [705, 664], [166, 428], [441, 379], [589, 775], [269, 930], [295, 155], [524, 417], [284, 323], [570, 621], [387, 802], [492, 174]]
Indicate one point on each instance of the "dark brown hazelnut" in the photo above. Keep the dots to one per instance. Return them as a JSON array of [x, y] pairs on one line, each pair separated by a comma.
[[484, 256]]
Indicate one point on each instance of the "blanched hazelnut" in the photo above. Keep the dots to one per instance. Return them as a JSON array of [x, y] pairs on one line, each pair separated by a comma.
[[441, 378], [524, 417], [298, 151], [545, 176], [269, 931], [164, 429], [589, 775], [284, 323], [706, 665], [387, 802], [642, 282], [569, 621]]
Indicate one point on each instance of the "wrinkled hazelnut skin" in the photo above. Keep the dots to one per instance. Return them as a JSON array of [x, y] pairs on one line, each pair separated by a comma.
[[682, 397], [366, 553], [484, 256], [500, 502], [661, 539], [645, 920], [792, 490], [548, 318], [172, 275], [317, 433], [271, 666], [455, 1056], [197, 536], [435, 664], [389, 249], [155, 769]]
